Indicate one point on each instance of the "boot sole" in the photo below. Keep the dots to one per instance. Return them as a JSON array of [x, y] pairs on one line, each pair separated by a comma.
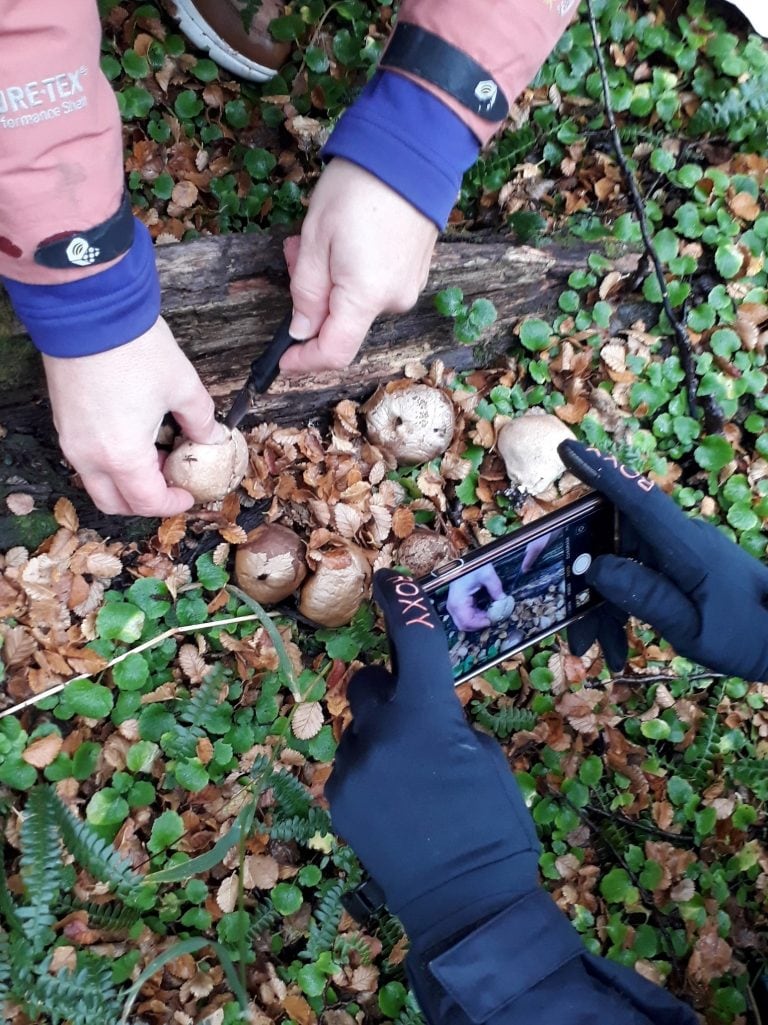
[[203, 36]]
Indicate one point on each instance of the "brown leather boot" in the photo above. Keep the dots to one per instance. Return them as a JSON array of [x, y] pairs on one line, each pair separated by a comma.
[[217, 26]]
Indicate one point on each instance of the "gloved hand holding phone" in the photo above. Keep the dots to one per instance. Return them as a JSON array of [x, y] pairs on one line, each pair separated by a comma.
[[431, 808], [450, 825], [700, 591]]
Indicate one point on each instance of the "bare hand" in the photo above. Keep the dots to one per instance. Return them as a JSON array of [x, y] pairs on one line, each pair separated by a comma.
[[107, 409], [463, 592], [364, 250]]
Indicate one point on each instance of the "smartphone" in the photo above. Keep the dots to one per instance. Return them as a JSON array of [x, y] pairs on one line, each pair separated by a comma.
[[541, 569]]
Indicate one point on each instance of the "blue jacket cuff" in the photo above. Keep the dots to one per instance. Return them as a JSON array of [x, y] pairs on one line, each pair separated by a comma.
[[104, 311], [408, 139]]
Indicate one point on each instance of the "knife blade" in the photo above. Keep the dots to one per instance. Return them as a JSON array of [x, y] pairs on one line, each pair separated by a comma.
[[264, 370]]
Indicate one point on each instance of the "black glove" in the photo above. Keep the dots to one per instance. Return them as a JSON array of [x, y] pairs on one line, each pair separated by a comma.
[[702, 592], [429, 804]]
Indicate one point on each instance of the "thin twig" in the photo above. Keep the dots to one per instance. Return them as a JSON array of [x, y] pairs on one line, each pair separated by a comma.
[[665, 677], [59, 687], [713, 417]]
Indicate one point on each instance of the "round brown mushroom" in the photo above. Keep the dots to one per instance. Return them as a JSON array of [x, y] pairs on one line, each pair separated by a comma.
[[411, 423], [424, 551], [271, 565], [528, 446], [334, 592], [208, 472]]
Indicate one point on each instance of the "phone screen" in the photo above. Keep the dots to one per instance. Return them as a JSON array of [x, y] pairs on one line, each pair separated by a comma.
[[516, 591]]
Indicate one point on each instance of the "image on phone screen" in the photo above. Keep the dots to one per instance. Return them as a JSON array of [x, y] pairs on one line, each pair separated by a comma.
[[519, 590]]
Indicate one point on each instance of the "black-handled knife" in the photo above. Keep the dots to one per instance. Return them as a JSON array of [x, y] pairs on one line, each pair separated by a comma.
[[264, 370]]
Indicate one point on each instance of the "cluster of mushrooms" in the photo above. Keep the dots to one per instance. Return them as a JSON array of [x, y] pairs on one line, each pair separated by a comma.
[[410, 423]]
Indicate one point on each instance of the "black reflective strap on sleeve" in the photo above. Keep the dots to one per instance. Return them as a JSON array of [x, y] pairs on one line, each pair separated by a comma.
[[455, 72], [365, 901], [88, 246]]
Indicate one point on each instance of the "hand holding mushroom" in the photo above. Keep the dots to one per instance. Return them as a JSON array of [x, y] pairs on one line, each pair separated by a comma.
[[463, 594], [108, 407]]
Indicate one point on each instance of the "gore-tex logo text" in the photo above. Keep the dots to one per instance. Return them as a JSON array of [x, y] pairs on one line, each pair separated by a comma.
[[14, 98], [412, 604]]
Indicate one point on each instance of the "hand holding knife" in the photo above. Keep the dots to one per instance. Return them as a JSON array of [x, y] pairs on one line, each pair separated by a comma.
[[264, 370]]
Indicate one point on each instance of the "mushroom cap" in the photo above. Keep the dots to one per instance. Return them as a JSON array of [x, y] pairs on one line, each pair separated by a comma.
[[208, 472], [271, 564], [500, 610], [528, 446], [334, 592], [411, 423], [425, 550]]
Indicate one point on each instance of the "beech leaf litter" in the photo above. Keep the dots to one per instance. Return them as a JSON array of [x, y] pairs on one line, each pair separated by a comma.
[[167, 847]]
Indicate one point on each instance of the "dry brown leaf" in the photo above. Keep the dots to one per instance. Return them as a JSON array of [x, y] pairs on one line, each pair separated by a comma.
[[610, 284], [365, 979], [744, 205], [226, 895], [204, 750], [102, 564], [92, 601], [171, 531], [184, 194], [234, 534], [614, 355], [261, 872], [65, 515], [220, 554], [41, 752], [192, 663], [20, 504], [403, 522], [307, 720], [347, 520], [296, 1006], [18, 645], [63, 957]]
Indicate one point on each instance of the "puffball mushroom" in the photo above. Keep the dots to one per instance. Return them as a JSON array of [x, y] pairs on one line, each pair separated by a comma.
[[528, 446], [424, 551], [208, 472], [500, 610], [271, 564], [412, 423], [334, 592]]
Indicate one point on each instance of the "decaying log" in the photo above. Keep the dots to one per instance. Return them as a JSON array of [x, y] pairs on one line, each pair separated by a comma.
[[224, 296]]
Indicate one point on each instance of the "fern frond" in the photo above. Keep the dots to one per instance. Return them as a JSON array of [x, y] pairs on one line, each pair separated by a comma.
[[91, 851], [262, 919], [324, 924], [291, 796], [83, 996], [753, 774], [181, 741], [301, 828], [349, 943], [744, 103], [7, 907], [109, 917], [20, 963], [205, 700], [698, 765], [389, 932], [505, 721], [41, 867], [346, 861], [409, 1016], [5, 970]]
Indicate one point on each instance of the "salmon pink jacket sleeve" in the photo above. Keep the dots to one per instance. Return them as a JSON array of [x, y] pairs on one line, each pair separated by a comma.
[[418, 138], [61, 172]]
